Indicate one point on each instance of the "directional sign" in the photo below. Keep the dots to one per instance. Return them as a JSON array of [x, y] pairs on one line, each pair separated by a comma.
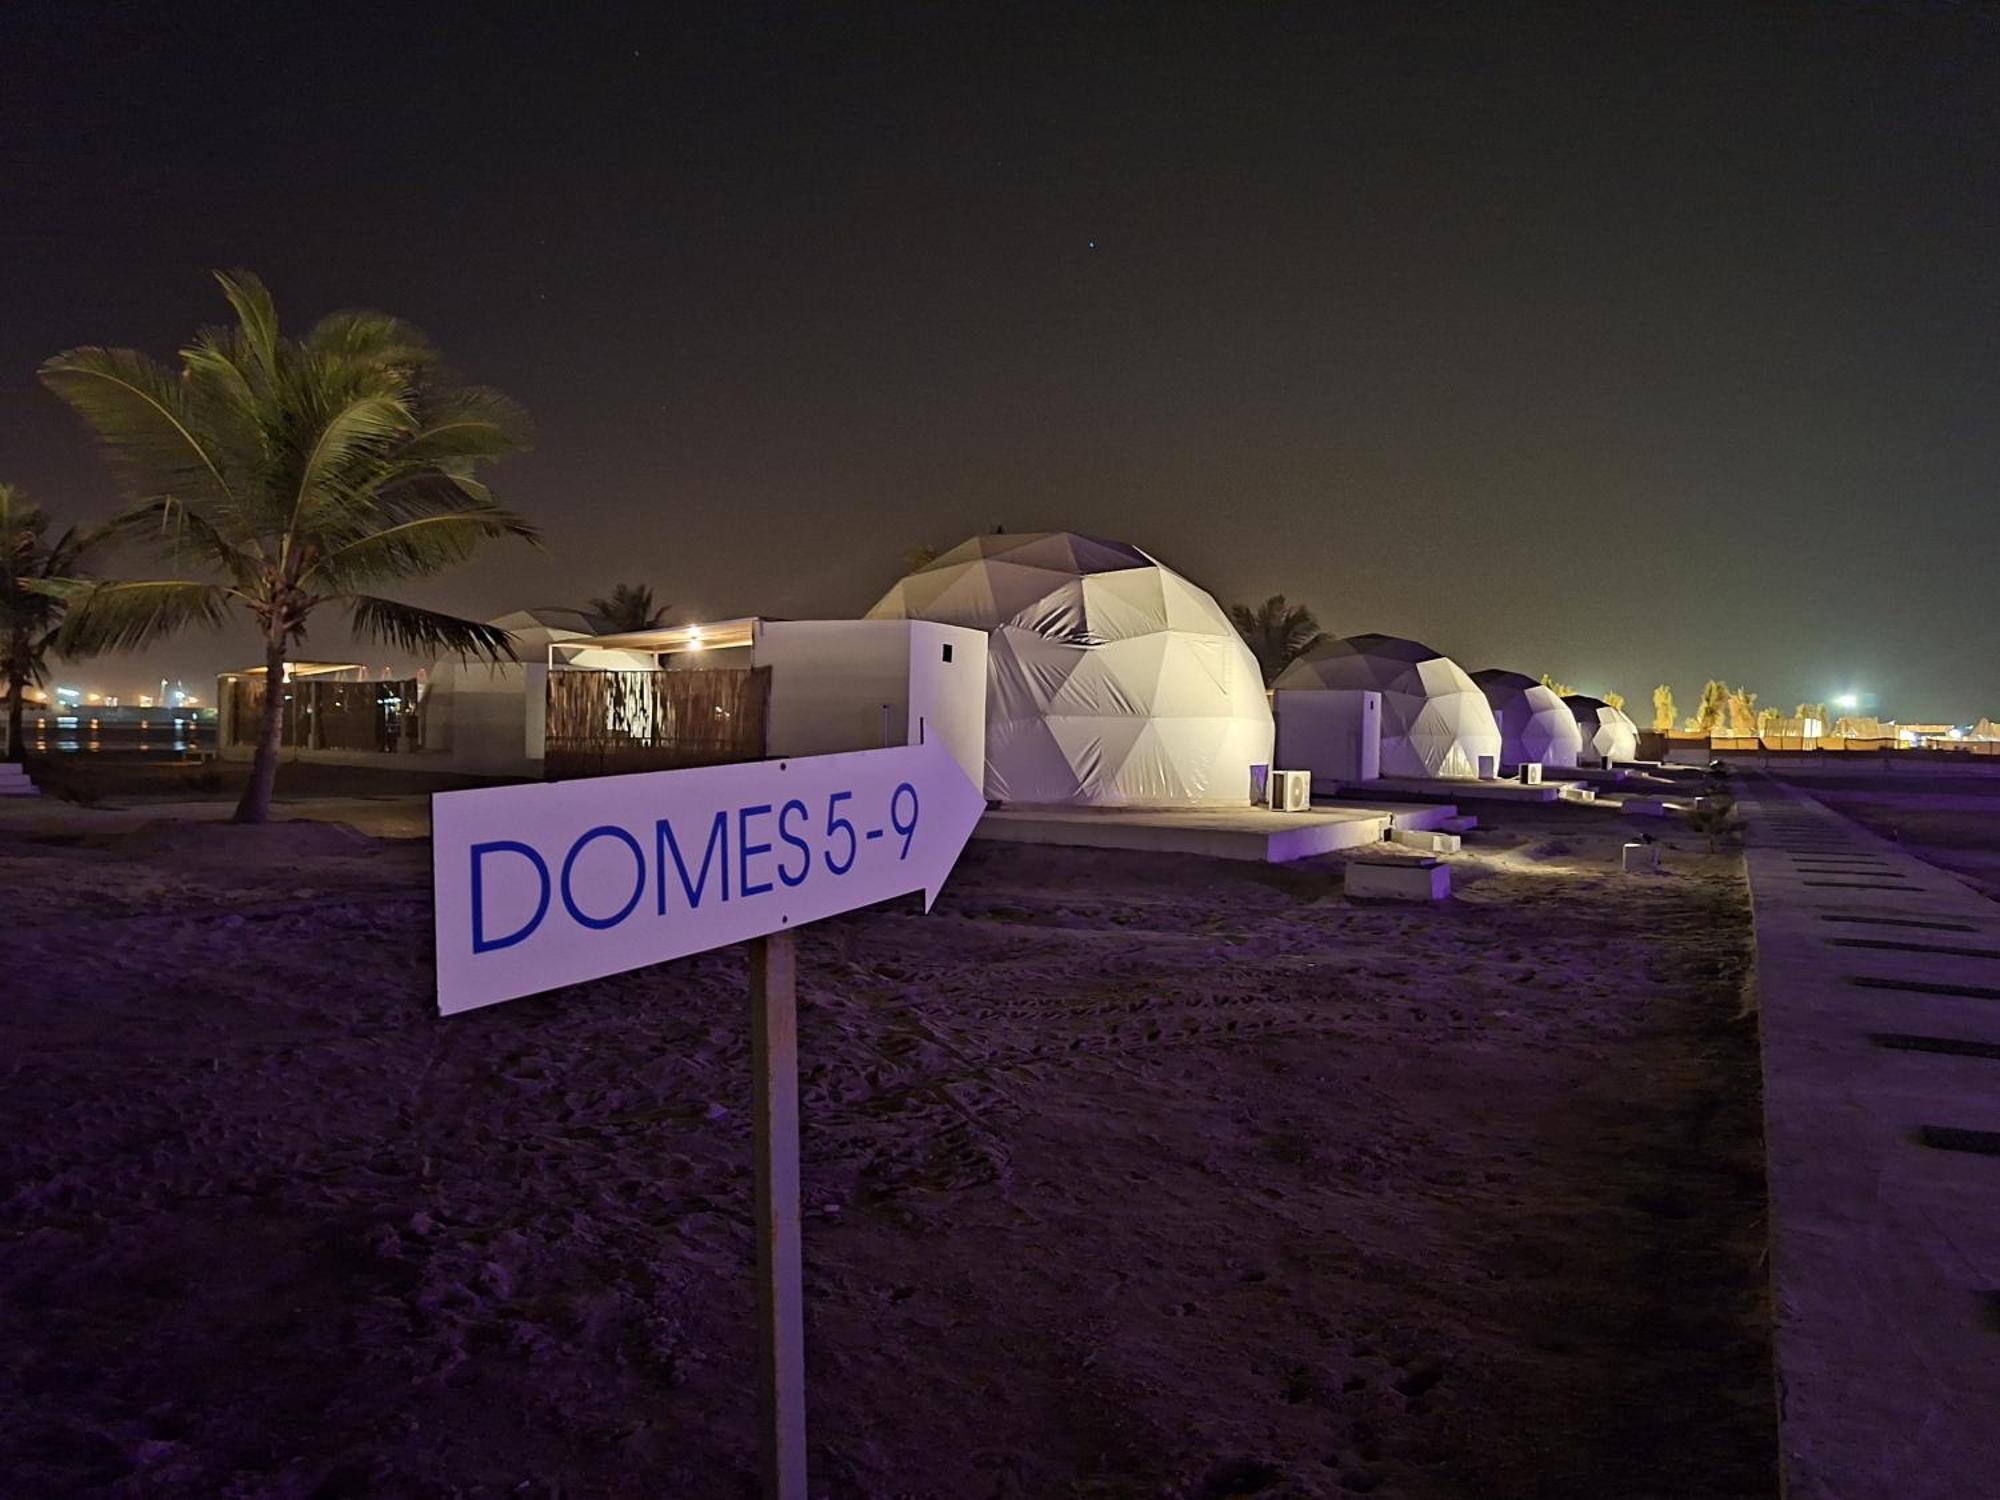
[[554, 883]]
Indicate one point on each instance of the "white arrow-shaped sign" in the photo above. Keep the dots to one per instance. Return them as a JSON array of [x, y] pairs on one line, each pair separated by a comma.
[[544, 885]]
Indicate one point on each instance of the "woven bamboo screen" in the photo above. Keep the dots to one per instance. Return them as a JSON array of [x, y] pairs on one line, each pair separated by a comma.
[[246, 707], [606, 723], [319, 715]]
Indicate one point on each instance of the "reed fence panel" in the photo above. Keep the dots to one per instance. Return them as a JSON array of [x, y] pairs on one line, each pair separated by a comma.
[[608, 723], [383, 716]]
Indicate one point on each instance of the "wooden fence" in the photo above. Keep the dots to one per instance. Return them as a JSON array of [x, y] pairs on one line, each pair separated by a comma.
[[606, 723], [382, 716]]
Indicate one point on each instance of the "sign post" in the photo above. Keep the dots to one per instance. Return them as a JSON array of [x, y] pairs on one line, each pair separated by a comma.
[[781, 1355], [555, 883]]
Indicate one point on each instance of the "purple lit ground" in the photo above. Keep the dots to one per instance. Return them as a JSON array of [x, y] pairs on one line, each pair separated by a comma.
[[1127, 1175]]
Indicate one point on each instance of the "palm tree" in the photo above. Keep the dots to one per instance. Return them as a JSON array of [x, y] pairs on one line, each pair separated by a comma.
[[31, 603], [1664, 716], [299, 471], [1276, 632], [630, 607], [1714, 704], [1742, 705]]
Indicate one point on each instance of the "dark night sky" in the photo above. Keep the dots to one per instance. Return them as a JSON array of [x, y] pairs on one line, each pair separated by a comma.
[[1632, 343]]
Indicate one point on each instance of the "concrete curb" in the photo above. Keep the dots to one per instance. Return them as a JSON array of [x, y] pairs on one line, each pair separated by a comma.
[[1881, 1080]]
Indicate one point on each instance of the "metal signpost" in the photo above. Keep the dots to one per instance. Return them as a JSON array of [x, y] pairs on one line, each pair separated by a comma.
[[555, 883]]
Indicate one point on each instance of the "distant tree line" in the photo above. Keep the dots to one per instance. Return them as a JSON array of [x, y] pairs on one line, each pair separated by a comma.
[[1728, 710]]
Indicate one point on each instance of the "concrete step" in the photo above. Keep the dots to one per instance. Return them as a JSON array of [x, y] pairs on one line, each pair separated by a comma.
[[1430, 841]]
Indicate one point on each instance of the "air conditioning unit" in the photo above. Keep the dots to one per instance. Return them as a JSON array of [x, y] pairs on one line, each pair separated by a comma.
[[1531, 773], [1291, 791]]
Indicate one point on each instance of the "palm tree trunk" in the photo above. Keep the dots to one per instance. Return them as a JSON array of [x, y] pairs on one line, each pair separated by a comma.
[[256, 804], [17, 684]]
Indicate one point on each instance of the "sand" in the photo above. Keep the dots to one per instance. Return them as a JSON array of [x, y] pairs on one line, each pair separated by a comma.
[[1126, 1175]]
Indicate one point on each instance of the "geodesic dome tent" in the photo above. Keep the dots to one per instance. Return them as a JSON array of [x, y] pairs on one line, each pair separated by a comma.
[[1111, 680], [1536, 726], [1606, 731], [1435, 721]]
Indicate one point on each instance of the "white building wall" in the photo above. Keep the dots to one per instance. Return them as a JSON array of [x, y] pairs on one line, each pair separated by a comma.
[[840, 685], [1336, 734], [948, 691], [478, 717]]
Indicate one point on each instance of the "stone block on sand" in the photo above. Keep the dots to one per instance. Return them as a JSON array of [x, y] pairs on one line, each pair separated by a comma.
[[1642, 859], [1394, 877], [1425, 839]]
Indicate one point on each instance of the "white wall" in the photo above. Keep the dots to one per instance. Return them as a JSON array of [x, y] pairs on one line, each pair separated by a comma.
[[948, 697], [476, 717], [861, 684], [1335, 735]]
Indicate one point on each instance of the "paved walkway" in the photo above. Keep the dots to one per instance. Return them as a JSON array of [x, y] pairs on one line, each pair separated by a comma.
[[1879, 979]]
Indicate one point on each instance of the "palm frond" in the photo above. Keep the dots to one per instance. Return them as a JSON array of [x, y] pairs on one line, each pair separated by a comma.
[[416, 548], [427, 492], [120, 616], [363, 337], [630, 607], [1277, 633], [345, 452], [140, 410], [172, 525], [426, 630], [21, 528], [256, 315], [17, 514], [464, 424], [220, 359], [76, 549]]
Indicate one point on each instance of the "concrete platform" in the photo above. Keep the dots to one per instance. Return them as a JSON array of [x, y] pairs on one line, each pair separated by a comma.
[[1253, 833], [1456, 789], [1595, 775], [1649, 807], [1878, 977]]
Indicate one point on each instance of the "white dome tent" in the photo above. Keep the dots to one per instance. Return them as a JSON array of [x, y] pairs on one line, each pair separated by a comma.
[[1608, 734], [1536, 726], [1112, 680], [1435, 721]]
